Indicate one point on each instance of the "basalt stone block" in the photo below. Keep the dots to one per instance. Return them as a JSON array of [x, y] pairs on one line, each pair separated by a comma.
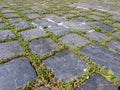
[[103, 56], [117, 33], [58, 29], [65, 65], [32, 33], [33, 16], [9, 49], [43, 46], [6, 34], [96, 35], [97, 82], [114, 44], [74, 40], [16, 73]]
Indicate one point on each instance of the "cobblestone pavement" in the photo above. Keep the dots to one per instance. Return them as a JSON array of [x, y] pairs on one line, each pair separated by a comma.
[[59, 45]]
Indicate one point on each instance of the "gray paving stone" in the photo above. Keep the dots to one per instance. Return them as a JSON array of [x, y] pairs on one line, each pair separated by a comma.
[[58, 29], [95, 17], [2, 25], [43, 46], [96, 35], [32, 33], [116, 24], [23, 24], [102, 26], [9, 49], [114, 44], [9, 15], [6, 34], [65, 65], [27, 11], [7, 11], [97, 82], [103, 56], [0, 19], [117, 33], [99, 13], [33, 16], [116, 17], [16, 73], [80, 19], [44, 88], [15, 20], [74, 40]]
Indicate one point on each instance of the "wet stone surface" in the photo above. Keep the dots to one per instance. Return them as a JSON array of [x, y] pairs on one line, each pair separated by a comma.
[[72, 65], [103, 56], [9, 49], [43, 46], [16, 73], [97, 82]]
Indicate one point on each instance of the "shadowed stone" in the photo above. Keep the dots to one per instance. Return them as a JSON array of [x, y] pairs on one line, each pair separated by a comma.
[[16, 73], [65, 65], [33, 16], [43, 46], [74, 40], [103, 56], [9, 49], [6, 34], [44, 88], [97, 82], [96, 35], [114, 44], [117, 33], [32, 33]]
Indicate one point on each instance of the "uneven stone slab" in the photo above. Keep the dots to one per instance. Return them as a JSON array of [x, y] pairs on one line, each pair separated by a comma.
[[103, 56], [16, 73], [10, 15], [96, 35], [33, 16], [43, 46], [117, 33], [9, 49], [74, 40], [102, 26], [95, 17], [6, 34], [32, 33], [97, 82], [80, 19], [15, 20], [7, 11], [58, 29], [114, 44], [65, 65]]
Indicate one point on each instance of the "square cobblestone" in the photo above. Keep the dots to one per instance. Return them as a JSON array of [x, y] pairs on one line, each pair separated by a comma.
[[65, 65], [43, 46], [96, 35], [32, 33], [103, 56], [97, 82], [9, 49], [6, 34], [114, 44], [74, 40]]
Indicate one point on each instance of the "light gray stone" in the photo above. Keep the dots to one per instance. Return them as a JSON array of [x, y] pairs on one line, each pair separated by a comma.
[[117, 33], [44, 88], [33, 16]]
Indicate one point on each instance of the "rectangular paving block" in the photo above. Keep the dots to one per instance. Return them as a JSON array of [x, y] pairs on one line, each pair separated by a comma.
[[97, 82], [32, 33], [9, 15], [15, 20], [43, 46], [3, 25], [65, 65], [103, 56], [73, 40], [114, 44], [80, 19], [9, 49]]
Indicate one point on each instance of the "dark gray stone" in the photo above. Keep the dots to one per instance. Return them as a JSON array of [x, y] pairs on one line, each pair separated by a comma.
[[44, 88], [114, 44], [102, 26], [10, 15], [97, 82], [117, 33], [96, 35], [16, 73], [2, 25], [33, 16], [58, 29], [6, 34], [43, 46], [74, 40], [32, 33], [65, 65], [9, 49], [103, 56], [15, 20]]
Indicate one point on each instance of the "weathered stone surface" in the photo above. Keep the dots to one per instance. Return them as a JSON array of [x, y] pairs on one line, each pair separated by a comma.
[[7, 11], [16, 73], [74, 40], [27, 11], [43, 46], [0, 19], [95, 17], [32, 33], [2, 25], [114, 44], [80, 19], [6, 34], [44, 88], [33, 16], [117, 33], [103, 56], [58, 29], [15, 20], [116, 24], [65, 65], [9, 49], [97, 82], [9, 15], [96, 35]]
